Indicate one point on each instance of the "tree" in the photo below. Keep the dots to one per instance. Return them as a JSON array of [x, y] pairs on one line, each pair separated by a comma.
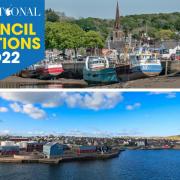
[[93, 40], [51, 16], [64, 36], [164, 34], [50, 36]]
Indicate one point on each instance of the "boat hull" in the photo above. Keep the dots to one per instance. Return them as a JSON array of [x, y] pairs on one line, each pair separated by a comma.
[[103, 76], [141, 71], [28, 74], [177, 58], [49, 73], [175, 66], [148, 70]]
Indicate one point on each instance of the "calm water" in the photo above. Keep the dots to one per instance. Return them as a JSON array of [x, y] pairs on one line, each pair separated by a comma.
[[131, 165]]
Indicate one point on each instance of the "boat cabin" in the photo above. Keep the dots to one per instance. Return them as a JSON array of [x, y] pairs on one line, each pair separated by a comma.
[[97, 63], [148, 57]]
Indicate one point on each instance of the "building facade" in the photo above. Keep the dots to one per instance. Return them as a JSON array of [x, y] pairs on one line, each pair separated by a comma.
[[34, 146], [9, 150], [86, 149], [53, 150]]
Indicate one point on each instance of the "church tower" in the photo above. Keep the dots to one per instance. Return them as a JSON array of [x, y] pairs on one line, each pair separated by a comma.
[[117, 32]]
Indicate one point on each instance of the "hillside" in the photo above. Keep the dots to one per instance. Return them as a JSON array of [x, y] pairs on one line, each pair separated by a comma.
[[155, 24], [92, 32]]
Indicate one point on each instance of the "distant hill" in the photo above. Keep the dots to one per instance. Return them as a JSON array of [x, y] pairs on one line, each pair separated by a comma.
[[158, 26]]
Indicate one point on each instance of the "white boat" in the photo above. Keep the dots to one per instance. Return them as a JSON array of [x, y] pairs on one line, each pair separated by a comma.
[[144, 63]]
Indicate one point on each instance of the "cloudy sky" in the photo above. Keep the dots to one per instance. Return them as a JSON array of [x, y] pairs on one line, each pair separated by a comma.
[[106, 8], [90, 114]]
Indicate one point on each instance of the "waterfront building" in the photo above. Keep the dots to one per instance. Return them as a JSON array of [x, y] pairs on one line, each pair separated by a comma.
[[86, 149], [53, 150], [140, 143], [9, 150], [7, 143], [22, 145], [34, 146], [18, 139]]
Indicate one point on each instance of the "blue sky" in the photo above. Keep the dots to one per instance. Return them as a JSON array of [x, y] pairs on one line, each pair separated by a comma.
[[106, 8], [90, 114]]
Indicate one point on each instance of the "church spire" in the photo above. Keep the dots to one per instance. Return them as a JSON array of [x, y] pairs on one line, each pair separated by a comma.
[[117, 20]]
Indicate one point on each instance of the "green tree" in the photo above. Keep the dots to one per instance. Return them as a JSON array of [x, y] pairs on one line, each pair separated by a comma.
[[164, 34], [93, 40], [64, 36], [51, 15]]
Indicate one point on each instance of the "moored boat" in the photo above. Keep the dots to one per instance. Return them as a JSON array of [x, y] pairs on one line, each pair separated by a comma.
[[97, 70], [142, 63], [49, 70], [177, 55], [175, 65], [29, 72]]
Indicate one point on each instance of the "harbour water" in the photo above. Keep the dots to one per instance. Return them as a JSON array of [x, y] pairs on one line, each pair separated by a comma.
[[131, 165]]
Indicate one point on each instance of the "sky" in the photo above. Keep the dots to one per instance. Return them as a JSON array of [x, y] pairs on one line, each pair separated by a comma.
[[106, 8], [94, 114]]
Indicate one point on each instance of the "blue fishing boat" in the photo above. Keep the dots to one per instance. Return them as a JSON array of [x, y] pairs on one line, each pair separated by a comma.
[[144, 63], [98, 70]]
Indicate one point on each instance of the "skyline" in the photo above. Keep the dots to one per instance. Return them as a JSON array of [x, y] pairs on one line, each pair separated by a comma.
[[106, 8], [93, 114]]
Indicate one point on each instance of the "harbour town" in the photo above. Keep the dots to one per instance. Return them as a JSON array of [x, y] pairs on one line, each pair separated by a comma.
[[111, 53], [71, 135], [58, 149]]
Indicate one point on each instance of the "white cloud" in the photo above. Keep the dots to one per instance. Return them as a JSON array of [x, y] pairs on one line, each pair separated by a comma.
[[94, 100], [169, 95], [15, 107], [3, 109], [30, 97], [29, 110], [34, 112], [133, 106]]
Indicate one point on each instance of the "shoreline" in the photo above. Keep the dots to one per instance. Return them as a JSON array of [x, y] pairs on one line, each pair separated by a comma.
[[63, 159], [151, 82]]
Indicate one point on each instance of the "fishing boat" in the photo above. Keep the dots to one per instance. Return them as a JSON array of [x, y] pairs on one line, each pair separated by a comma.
[[142, 63], [49, 70], [177, 55], [175, 65], [98, 70], [29, 72]]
